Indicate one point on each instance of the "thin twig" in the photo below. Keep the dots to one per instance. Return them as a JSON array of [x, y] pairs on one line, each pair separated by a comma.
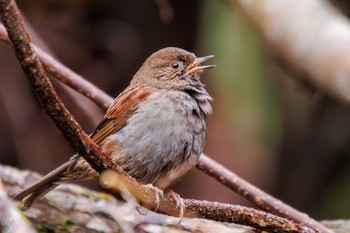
[[254, 194], [66, 75]]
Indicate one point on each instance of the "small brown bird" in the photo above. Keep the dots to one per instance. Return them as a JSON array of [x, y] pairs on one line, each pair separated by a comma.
[[155, 129]]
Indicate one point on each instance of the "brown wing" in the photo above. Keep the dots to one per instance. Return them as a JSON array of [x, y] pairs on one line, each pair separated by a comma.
[[118, 113]]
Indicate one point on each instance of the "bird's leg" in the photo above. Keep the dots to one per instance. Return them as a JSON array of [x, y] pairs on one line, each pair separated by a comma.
[[159, 194], [179, 203]]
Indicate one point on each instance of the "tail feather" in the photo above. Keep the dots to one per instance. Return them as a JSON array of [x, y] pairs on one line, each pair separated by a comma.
[[44, 185]]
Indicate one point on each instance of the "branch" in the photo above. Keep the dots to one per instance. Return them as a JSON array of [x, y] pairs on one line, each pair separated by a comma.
[[47, 96], [66, 75], [256, 195], [69, 208], [310, 36], [45, 93], [200, 209]]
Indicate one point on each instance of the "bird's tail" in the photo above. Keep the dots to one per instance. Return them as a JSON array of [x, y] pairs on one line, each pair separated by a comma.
[[44, 185]]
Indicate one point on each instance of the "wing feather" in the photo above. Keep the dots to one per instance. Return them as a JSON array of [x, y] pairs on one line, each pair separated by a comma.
[[118, 113]]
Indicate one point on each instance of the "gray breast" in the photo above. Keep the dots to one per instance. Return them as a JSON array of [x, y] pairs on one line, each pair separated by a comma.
[[169, 129]]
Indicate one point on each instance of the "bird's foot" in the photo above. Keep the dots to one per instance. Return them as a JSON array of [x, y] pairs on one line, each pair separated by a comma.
[[179, 202], [159, 194]]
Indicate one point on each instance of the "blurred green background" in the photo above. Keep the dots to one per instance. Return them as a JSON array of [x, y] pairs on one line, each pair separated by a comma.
[[268, 127]]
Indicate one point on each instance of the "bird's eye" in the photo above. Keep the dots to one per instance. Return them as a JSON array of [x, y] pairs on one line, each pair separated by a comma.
[[176, 64]]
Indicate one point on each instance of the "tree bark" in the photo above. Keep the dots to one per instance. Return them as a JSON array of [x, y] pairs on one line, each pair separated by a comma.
[[72, 208]]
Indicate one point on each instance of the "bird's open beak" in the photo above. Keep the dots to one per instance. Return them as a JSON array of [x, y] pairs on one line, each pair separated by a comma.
[[195, 66]]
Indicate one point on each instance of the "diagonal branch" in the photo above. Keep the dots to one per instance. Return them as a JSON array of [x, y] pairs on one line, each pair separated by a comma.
[[44, 91], [256, 195], [66, 75]]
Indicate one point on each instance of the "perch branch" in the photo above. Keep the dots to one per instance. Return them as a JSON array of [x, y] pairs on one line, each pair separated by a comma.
[[66, 202], [200, 209]]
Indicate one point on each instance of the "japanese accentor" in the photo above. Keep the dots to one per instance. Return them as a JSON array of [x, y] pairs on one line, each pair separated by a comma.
[[155, 129]]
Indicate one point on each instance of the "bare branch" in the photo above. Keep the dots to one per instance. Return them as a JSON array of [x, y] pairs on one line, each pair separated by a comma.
[[103, 215], [256, 195], [201, 209], [66, 75], [45, 92]]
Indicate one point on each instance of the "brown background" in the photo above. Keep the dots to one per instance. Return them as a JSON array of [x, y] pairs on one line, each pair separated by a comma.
[[279, 134]]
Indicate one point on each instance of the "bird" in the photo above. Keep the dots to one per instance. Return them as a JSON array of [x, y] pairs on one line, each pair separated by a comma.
[[155, 130]]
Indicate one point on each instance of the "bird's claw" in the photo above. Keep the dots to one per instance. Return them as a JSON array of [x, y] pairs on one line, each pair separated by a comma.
[[179, 202], [159, 194]]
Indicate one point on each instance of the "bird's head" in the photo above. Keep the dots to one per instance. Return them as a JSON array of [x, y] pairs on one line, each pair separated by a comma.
[[172, 68]]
